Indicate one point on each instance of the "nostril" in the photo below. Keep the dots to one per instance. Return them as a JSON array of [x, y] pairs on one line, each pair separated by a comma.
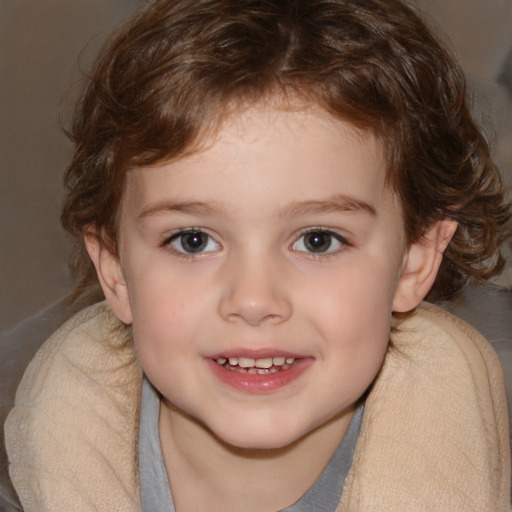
[[254, 318], [265, 310], [252, 294]]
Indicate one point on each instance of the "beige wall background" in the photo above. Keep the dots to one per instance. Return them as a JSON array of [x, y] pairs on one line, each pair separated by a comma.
[[43, 45]]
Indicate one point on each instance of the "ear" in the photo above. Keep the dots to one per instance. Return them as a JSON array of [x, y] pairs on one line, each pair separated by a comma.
[[110, 275], [421, 264]]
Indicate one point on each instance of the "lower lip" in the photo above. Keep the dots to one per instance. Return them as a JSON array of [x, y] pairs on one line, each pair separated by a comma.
[[255, 383]]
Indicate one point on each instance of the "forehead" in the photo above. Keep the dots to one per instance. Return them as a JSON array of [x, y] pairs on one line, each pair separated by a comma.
[[265, 153]]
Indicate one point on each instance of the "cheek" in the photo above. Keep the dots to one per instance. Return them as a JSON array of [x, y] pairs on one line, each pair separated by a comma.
[[170, 314], [163, 339], [354, 317], [160, 294], [359, 342], [359, 295], [162, 320]]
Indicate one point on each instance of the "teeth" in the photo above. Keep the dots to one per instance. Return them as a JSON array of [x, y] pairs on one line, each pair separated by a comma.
[[264, 363], [249, 363], [245, 362]]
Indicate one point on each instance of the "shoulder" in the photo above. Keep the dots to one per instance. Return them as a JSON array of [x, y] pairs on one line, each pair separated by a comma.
[[435, 431], [72, 431], [433, 336], [91, 353]]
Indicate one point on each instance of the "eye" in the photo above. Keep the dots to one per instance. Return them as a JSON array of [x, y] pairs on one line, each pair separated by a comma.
[[192, 242], [319, 241]]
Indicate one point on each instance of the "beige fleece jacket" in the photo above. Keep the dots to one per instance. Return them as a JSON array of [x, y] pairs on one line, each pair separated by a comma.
[[434, 434]]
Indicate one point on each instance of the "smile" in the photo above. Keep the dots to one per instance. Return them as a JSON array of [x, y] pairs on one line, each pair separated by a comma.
[[261, 374], [261, 366]]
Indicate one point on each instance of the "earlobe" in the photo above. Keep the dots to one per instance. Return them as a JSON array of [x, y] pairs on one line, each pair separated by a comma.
[[110, 275], [421, 264]]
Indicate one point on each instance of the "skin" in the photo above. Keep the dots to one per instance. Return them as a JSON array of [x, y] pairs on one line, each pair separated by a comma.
[[256, 200]]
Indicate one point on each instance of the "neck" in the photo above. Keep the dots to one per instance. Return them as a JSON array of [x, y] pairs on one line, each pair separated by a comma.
[[207, 474]]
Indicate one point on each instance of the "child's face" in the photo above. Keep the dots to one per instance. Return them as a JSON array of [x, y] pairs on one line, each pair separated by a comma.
[[279, 245]]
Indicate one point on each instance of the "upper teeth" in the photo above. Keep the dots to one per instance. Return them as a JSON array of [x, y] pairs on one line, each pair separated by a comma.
[[249, 362]]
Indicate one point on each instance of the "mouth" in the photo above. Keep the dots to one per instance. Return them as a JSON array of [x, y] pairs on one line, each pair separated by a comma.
[[260, 366], [261, 373]]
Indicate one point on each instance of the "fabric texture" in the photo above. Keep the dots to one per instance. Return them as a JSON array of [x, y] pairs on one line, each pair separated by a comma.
[[435, 432], [434, 435], [71, 437]]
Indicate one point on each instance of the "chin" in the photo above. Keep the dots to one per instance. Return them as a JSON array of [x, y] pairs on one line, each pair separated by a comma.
[[259, 444], [259, 437]]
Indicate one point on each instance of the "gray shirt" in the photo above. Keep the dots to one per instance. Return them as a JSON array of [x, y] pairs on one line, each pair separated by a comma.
[[155, 492]]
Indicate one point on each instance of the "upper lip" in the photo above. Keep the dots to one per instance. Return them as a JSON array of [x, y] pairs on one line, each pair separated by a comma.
[[260, 353]]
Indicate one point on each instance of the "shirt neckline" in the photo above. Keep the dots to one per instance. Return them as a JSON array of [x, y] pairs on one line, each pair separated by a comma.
[[155, 493]]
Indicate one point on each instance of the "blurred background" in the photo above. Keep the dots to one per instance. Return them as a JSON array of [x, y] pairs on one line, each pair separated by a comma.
[[47, 45]]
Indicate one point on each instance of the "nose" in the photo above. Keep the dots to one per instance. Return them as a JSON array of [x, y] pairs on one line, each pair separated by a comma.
[[254, 292]]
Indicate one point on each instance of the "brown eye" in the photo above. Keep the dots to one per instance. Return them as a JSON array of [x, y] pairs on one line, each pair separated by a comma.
[[193, 242], [319, 241]]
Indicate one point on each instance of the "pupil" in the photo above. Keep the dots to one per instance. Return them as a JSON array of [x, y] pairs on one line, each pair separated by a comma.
[[193, 242], [318, 242]]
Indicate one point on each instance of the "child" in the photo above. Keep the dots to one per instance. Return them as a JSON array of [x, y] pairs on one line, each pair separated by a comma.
[[265, 190]]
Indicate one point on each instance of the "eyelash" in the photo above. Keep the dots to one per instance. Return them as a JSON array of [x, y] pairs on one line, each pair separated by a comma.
[[168, 242], [333, 236], [320, 232]]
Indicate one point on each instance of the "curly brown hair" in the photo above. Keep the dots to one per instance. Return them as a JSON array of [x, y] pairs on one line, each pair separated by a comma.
[[172, 72]]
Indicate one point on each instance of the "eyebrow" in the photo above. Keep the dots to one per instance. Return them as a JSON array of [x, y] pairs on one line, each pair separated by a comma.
[[339, 203], [187, 207], [335, 204]]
